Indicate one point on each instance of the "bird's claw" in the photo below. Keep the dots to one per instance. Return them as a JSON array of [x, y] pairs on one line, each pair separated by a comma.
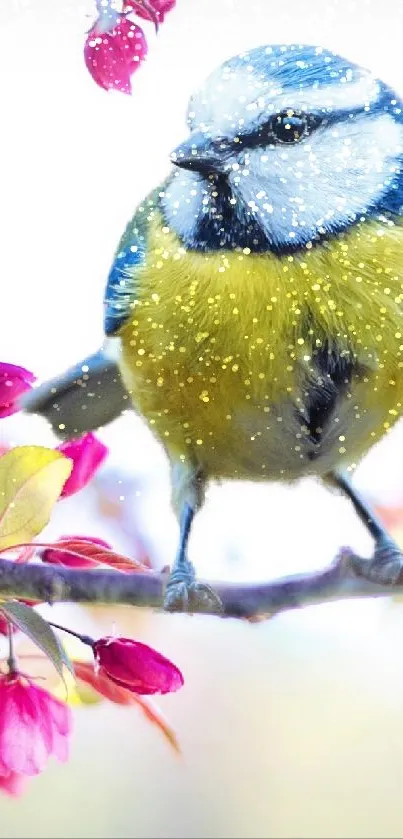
[[184, 593], [385, 567]]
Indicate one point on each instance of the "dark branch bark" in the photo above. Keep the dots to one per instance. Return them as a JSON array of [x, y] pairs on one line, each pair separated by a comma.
[[52, 584]]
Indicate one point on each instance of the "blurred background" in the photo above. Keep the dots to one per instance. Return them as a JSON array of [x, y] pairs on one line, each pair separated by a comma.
[[288, 728]]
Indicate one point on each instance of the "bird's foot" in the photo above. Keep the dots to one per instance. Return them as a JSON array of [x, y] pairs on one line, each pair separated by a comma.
[[386, 565], [183, 593]]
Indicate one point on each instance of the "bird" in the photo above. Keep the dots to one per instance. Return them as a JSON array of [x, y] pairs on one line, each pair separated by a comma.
[[253, 312]]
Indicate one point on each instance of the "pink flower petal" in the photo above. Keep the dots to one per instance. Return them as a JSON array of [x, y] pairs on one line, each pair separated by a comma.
[[59, 719], [33, 726], [12, 370], [13, 784], [22, 746], [14, 381], [87, 454]]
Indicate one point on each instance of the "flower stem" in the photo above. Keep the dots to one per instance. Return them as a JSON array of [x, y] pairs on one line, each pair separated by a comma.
[[11, 660], [85, 639]]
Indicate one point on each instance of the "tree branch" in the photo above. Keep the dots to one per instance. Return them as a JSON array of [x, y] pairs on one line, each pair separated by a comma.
[[52, 584]]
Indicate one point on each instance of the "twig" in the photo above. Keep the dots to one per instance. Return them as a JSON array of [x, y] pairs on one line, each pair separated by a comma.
[[52, 584]]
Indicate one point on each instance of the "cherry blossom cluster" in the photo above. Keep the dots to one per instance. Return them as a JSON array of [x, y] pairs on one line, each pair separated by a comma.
[[34, 724]]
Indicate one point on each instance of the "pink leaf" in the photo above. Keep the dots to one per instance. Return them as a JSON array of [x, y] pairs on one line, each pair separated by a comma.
[[113, 55], [100, 682], [149, 9], [82, 552]]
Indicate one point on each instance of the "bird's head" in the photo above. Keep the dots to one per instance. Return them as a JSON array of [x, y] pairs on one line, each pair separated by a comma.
[[288, 145]]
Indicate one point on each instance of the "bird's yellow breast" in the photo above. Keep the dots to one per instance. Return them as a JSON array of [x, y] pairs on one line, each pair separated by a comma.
[[217, 344]]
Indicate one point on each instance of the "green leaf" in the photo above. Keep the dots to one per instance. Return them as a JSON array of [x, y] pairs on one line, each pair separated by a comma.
[[39, 631], [31, 480]]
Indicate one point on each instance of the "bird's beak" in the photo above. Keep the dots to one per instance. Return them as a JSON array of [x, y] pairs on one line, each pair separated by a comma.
[[200, 154]]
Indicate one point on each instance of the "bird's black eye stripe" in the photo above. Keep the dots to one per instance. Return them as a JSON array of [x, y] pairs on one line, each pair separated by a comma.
[[291, 126], [285, 128]]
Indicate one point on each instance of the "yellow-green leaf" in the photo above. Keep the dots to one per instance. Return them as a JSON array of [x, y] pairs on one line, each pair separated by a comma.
[[77, 692], [31, 480]]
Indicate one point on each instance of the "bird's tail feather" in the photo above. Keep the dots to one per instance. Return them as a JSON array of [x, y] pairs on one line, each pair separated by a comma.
[[83, 398]]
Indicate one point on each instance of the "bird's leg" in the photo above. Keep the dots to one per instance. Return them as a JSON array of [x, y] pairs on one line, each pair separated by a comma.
[[183, 592], [386, 565]]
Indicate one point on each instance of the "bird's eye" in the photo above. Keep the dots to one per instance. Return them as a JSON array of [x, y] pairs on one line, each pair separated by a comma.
[[289, 126]]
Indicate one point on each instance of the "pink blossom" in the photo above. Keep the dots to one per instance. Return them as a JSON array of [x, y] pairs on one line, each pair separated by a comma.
[[33, 726], [14, 381], [87, 454], [136, 666], [114, 49]]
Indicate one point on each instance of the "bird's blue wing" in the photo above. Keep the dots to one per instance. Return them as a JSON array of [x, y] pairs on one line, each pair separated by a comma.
[[121, 285], [124, 276]]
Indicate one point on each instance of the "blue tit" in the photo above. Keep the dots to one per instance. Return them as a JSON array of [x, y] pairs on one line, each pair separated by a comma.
[[253, 311]]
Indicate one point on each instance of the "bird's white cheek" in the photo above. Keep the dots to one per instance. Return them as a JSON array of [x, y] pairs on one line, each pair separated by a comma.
[[182, 201]]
